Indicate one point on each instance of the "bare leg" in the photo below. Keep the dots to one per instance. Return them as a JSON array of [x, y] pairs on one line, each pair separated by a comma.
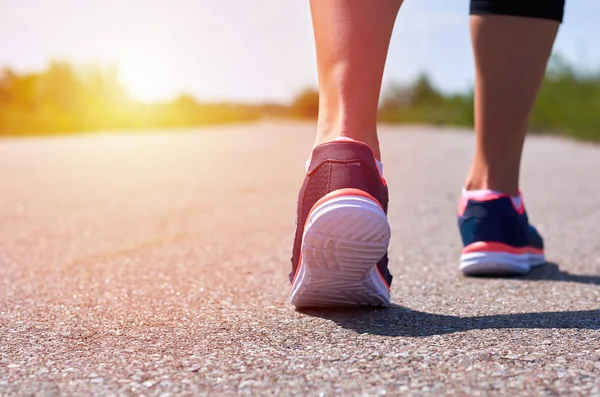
[[511, 54], [352, 39]]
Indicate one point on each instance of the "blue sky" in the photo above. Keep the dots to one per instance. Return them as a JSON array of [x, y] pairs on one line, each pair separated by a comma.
[[246, 50]]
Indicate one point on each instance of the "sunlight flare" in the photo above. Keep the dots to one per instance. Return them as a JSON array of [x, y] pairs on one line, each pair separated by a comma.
[[147, 80]]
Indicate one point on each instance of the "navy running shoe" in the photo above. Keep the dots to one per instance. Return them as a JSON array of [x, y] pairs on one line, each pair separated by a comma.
[[497, 237], [342, 232]]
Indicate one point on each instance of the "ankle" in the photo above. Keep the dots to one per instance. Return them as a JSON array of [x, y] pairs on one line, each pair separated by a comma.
[[498, 185], [327, 134]]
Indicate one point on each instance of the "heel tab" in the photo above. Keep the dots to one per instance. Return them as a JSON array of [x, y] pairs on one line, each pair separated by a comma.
[[342, 151]]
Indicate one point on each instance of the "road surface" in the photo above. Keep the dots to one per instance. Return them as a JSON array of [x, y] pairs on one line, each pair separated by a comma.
[[156, 264]]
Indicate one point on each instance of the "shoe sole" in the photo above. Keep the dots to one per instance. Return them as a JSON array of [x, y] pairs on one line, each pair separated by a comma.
[[344, 238], [499, 263]]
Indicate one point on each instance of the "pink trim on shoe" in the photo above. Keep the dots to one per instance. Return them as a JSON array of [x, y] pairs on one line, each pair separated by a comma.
[[464, 200], [331, 196], [483, 246]]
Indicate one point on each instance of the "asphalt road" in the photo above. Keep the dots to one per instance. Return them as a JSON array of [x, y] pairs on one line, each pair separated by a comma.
[[156, 264]]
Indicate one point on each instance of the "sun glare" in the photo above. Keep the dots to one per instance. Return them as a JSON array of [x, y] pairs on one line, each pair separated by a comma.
[[147, 81]]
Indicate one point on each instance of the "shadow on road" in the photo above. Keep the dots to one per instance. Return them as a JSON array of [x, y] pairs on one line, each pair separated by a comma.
[[401, 321], [551, 272]]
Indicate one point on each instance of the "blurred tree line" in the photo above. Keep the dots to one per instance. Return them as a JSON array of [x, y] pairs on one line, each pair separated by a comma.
[[568, 103], [64, 99]]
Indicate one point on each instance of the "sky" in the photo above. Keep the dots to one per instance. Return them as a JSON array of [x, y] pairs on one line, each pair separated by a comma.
[[259, 50]]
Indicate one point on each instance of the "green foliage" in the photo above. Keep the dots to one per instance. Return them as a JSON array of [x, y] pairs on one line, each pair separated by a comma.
[[421, 102], [63, 99], [568, 103], [306, 104]]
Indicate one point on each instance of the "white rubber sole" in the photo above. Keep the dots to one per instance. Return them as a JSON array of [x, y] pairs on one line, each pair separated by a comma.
[[499, 263], [343, 240]]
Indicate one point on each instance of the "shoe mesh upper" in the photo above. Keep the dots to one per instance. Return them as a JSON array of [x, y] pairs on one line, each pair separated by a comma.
[[333, 166]]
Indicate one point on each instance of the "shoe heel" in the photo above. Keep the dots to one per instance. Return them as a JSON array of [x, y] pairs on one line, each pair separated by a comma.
[[494, 264], [344, 237]]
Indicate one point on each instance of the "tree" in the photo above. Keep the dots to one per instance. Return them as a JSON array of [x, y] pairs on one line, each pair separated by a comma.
[[306, 104], [420, 93], [423, 92]]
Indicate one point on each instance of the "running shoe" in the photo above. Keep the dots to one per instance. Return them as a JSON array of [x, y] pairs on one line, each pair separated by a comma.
[[342, 232], [497, 237]]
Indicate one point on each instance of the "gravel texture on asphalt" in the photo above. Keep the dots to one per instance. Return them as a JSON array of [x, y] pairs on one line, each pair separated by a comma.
[[156, 264]]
